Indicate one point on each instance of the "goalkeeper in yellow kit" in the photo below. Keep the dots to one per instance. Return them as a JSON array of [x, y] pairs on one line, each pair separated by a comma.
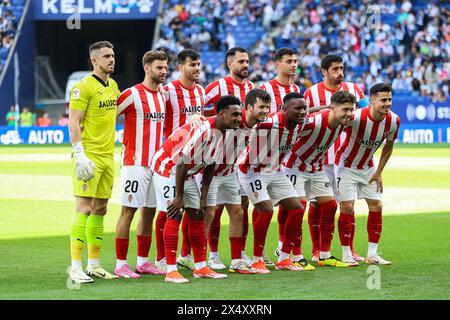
[[92, 122]]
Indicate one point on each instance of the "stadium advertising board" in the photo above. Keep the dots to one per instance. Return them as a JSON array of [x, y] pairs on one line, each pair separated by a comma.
[[95, 9], [39, 135], [421, 110], [409, 133]]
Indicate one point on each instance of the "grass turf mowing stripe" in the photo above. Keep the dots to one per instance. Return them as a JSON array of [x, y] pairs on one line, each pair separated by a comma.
[[415, 244]]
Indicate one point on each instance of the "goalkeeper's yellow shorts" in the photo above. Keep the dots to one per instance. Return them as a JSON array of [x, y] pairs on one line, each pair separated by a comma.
[[100, 186]]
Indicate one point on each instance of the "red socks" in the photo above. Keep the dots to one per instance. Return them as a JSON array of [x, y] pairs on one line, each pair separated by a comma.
[[245, 227], [374, 226], [236, 245], [143, 245], [353, 223], [186, 245], [260, 228], [314, 226], [254, 216], [297, 249], [327, 214], [214, 230], [292, 230], [171, 240], [345, 228], [159, 228], [197, 238], [122, 248], [282, 216]]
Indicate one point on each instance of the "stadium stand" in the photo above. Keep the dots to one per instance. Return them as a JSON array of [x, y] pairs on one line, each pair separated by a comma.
[[406, 43], [10, 13]]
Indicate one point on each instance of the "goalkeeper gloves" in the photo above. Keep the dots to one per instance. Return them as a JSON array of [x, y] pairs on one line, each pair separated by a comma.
[[83, 165]]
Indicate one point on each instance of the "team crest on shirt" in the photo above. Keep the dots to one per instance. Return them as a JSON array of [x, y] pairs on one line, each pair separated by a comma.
[[130, 197], [76, 93], [84, 187]]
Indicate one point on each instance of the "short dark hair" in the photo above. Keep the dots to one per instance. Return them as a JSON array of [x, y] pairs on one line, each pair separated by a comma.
[[153, 55], [254, 94], [226, 101], [100, 44], [232, 52], [380, 87], [280, 53], [292, 95], [340, 97], [328, 60], [187, 53]]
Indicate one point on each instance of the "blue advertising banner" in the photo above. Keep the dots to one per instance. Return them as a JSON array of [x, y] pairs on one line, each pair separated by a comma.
[[421, 110], [409, 133], [428, 133], [95, 9], [40, 135]]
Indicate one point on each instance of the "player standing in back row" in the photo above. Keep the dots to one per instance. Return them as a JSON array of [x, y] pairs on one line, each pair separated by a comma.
[[318, 97], [185, 102], [236, 84], [92, 106], [143, 108], [287, 62]]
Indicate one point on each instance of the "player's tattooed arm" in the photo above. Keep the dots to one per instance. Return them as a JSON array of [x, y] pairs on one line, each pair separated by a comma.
[[176, 207], [385, 155]]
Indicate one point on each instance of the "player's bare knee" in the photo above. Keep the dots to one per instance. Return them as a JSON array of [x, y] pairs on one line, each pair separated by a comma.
[[265, 206], [127, 214], [236, 214], [375, 206], [347, 207], [148, 213]]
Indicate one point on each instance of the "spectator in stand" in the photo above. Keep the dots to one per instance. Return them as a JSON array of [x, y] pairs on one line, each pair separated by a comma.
[[44, 121], [64, 120], [11, 117], [26, 118]]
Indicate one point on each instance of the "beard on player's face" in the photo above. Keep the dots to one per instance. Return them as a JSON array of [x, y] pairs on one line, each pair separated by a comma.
[[107, 69], [157, 79], [241, 73]]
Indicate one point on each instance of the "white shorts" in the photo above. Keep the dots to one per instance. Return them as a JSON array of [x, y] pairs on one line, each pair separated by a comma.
[[222, 190], [331, 172], [165, 192], [136, 187], [309, 185], [267, 186], [353, 184]]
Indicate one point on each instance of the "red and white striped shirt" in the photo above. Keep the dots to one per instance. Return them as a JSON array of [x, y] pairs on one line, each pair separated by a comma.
[[233, 151], [277, 92], [181, 104], [193, 146], [143, 128], [315, 139], [223, 87], [271, 142], [364, 137], [319, 95]]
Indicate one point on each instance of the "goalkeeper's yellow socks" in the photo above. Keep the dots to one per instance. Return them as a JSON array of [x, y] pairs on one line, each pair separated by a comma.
[[77, 237], [94, 232]]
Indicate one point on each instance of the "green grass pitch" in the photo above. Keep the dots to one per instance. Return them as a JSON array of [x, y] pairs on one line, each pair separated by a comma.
[[37, 206]]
